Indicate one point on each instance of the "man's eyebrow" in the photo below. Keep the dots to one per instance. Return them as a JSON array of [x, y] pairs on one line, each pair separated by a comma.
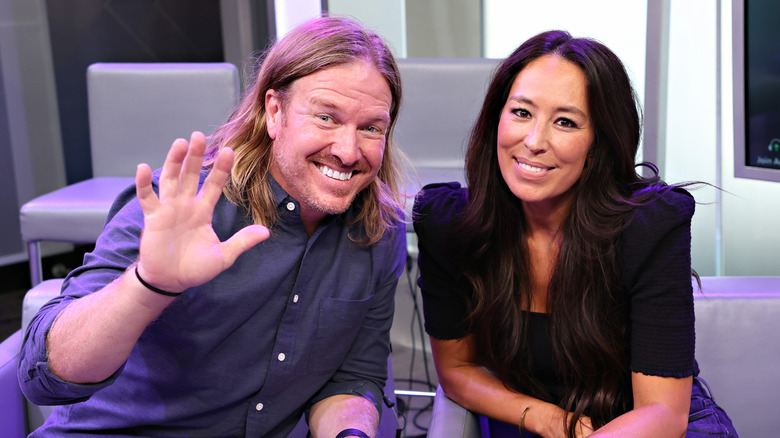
[[318, 101], [380, 116]]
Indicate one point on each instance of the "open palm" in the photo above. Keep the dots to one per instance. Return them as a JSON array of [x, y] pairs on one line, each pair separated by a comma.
[[178, 247]]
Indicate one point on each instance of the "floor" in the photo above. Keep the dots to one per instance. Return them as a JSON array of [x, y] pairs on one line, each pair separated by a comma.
[[412, 370]]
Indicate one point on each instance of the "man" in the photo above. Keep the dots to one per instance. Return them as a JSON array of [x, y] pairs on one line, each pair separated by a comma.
[[226, 297]]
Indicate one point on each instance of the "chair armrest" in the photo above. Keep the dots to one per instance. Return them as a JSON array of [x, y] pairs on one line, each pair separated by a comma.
[[11, 399], [36, 297], [450, 420]]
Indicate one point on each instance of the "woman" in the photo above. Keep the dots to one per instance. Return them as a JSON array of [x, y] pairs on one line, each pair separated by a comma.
[[557, 287]]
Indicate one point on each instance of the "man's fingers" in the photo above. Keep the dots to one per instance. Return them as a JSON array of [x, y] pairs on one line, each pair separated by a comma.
[[143, 187], [193, 163], [212, 187], [242, 241], [169, 178]]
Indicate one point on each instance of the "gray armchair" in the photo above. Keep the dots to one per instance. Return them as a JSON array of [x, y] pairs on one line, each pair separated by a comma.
[[736, 318], [17, 416], [136, 110]]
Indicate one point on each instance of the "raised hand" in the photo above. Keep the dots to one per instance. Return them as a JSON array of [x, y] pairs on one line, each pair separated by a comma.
[[178, 247]]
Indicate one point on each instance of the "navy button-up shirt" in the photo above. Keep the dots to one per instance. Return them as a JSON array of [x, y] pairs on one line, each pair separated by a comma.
[[294, 320]]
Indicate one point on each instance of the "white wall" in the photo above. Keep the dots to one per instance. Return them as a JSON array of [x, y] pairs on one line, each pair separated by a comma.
[[691, 119], [385, 17], [751, 240], [734, 231], [745, 241], [619, 24], [291, 13]]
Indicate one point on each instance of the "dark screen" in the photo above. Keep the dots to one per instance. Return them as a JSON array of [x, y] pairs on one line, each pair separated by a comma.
[[762, 83]]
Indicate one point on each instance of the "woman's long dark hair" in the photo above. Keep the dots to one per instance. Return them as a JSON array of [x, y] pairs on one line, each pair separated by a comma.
[[586, 302]]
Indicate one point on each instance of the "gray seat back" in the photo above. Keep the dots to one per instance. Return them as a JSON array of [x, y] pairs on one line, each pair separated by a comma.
[[441, 101], [136, 110]]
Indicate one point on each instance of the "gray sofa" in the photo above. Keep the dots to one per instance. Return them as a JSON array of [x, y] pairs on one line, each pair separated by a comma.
[[736, 318]]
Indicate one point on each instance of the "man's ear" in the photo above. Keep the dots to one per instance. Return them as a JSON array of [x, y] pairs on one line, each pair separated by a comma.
[[273, 113]]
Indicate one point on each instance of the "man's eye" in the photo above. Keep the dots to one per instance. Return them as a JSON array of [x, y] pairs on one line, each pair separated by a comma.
[[324, 118]]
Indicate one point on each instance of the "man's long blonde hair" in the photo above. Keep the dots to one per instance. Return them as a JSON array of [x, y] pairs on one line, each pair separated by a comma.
[[313, 46]]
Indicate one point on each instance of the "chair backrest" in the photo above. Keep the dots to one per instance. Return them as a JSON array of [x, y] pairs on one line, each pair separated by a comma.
[[441, 100], [136, 110]]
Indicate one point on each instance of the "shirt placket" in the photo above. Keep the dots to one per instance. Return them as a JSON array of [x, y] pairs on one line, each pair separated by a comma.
[[284, 363]]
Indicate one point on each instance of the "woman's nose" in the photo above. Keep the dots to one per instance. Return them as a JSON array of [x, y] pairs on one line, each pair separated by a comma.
[[536, 138]]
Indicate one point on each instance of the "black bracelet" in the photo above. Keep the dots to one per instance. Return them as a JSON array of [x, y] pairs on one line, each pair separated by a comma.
[[154, 289], [352, 432]]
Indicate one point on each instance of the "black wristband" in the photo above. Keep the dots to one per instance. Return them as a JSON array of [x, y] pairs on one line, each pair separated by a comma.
[[154, 289], [352, 432]]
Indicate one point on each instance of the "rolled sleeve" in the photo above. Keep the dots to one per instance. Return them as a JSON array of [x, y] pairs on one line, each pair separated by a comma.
[[116, 248], [38, 383]]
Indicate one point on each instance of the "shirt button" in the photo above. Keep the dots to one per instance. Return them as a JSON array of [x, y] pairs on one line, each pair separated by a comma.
[[291, 206], [259, 406], [295, 298], [281, 357]]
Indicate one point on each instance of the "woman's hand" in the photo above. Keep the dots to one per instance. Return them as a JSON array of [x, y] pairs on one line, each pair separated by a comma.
[[550, 423], [178, 247], [478, 390]]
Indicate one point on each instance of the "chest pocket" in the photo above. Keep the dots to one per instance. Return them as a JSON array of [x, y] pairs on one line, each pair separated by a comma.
[[338, 324]]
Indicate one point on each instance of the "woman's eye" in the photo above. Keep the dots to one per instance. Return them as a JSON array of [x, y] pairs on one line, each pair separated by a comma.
[[521, 113], [567, 123]]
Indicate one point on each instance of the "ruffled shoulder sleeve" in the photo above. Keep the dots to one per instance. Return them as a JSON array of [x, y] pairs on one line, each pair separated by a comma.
[[656, 257], [435, 212]]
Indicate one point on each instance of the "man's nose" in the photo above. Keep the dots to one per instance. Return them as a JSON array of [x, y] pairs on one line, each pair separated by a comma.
[[345, 147]]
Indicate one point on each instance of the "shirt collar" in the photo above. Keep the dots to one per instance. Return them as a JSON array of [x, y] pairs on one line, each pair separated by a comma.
[[281, 198]]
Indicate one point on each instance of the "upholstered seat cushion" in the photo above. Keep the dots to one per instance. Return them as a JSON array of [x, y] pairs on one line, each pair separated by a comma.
[[75, 213]]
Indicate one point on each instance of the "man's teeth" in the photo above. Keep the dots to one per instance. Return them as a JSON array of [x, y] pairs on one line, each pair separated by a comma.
[[334, 174], [530, 168]]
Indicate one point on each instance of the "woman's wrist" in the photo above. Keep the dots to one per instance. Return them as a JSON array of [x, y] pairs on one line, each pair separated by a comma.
[[543, 419]]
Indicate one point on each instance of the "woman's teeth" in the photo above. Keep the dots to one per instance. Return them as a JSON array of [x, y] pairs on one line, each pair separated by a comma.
[[530, 168]]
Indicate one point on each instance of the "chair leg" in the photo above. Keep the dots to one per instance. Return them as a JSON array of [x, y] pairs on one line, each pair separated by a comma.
[[36, 265]]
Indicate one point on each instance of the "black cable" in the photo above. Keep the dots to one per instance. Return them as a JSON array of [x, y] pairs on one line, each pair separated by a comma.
[[415, 419], [417, 314], [417, 317]]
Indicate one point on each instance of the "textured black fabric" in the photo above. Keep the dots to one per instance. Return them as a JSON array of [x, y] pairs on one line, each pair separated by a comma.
[[656, 271]]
